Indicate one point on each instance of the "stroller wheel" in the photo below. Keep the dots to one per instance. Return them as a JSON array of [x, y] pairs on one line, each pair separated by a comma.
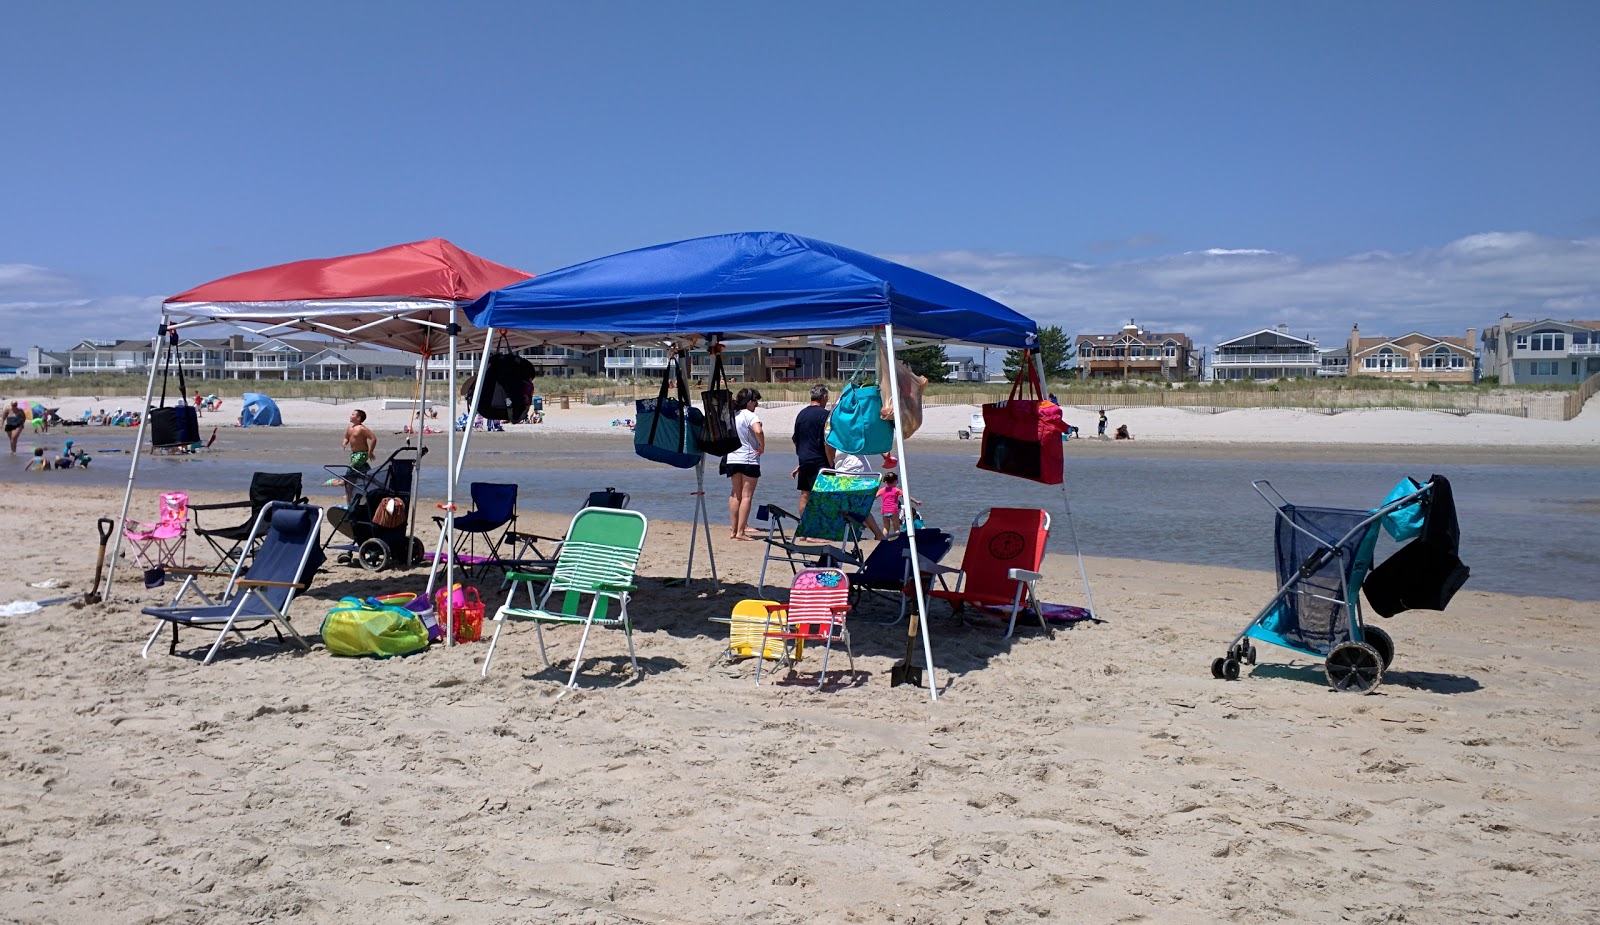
[[374, 555], [1230, 669], [1216, 667], [1250, 655], [1380, 640], [417, 552], [1354, 667]]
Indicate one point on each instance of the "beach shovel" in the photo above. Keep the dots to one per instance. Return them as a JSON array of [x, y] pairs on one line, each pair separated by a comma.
[[904, 672], [105, 524]]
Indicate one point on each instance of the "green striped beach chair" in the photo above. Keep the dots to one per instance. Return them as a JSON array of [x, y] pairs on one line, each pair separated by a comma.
[[589, 583]]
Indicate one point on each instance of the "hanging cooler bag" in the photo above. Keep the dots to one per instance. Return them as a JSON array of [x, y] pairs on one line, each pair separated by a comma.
[[856, 426], [664, 428]]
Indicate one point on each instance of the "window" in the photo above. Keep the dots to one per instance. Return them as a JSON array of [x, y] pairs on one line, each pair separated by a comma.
[[1439, 359], [1547, 340], [1171, 350], [1522, 341], [1458, 362], [1580, 337]]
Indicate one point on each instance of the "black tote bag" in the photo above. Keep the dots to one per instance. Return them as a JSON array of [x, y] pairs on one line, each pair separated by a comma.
[[720, 434]]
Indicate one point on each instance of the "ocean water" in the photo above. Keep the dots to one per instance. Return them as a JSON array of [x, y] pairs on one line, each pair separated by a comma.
[[1528, 530]]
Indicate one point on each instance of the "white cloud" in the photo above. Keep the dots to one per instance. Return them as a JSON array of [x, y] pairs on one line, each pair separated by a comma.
[[25, 279], [56, 324], [1219, 293]]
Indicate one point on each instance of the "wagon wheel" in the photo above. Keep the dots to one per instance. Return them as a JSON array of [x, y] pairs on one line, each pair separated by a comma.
[[374, 555], [1216, 668], [1354, 667], [1230, 669], [1380, 640]]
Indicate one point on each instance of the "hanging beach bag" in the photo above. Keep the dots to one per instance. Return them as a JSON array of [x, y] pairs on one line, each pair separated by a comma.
[[366, 626], [911, 388], [178, 425], [505, 386], [856, 425], [720, 434], [1022, 435], [664, 428]]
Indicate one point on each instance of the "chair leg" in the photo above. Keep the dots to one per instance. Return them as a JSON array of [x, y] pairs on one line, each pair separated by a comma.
[[827, 650], [160, 625], [577, 660], [1016, 604], [215, 646]]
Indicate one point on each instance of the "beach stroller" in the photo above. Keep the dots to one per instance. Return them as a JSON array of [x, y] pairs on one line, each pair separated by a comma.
[[1323, 556], [378, 517]]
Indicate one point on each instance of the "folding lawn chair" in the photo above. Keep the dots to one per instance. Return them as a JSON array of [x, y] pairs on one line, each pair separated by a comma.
[[1000, 566], [886, 571], [830, 529], [596, 565], [283, 565], [265, 488], [163, 544], [494, 508], [819, 603]]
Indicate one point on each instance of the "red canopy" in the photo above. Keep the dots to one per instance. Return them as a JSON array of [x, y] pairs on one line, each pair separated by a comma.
[[431, 269]]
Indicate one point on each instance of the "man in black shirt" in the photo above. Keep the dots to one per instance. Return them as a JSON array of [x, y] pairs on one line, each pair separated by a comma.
[[810, 444]]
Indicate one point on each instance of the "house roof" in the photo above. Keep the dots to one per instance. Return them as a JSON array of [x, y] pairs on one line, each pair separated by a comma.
[[1270, 332], [1404, 342]]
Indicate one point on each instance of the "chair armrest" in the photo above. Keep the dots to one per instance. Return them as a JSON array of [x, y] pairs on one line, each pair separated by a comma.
[[197, 572], [774, 511], [614, 586], [934, 568], [527, 576], [1022, 574], [257, 583], [516, 535], [221, 506]]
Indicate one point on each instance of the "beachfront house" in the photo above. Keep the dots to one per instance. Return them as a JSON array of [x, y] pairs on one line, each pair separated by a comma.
[[10, 366], [1415, 357], [1270, 353], [341, 363], [90, 357], [1335, 361], [1134, 353], [1548, 351], [555, 362], [40, 364]]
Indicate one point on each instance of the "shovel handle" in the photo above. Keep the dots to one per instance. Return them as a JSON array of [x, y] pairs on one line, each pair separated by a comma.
[[105, 525]]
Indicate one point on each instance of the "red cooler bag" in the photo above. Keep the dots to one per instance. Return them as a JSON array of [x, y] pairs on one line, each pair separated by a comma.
[[1022, 435]]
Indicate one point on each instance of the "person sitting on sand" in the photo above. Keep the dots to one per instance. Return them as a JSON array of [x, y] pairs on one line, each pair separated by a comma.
[[38, 463], [1122, 432]]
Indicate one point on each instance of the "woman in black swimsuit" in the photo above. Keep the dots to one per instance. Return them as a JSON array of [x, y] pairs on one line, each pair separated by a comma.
[[14, 421]]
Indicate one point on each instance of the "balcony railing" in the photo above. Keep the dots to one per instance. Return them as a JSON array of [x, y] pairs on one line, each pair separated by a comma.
[[1265, 359], [1584, 348]]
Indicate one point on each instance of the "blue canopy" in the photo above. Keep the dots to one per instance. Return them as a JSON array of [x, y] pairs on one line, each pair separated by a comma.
[[759, 283], [259, 411]]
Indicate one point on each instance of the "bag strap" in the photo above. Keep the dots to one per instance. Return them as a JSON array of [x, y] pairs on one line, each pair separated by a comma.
[[680, 363], [166, 370], [719, 379], [1029, 376], [859, 377], [183, 389], [661, 399]]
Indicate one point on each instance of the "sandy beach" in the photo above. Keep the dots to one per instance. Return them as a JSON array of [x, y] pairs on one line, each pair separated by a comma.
[[1101, 775]]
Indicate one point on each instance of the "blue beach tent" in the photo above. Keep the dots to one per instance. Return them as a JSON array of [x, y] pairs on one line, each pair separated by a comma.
[[259, 411], [756, 284]]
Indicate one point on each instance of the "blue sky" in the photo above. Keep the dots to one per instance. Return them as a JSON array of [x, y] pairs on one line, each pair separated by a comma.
[[1210, 168]]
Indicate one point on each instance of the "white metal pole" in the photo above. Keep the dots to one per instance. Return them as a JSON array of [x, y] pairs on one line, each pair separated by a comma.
[[133, 464], [447, 533], [1066, 502], [911, 528]]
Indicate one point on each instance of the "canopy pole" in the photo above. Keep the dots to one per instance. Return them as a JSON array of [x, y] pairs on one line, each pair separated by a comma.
[[447, 530], [1066, 503], [421, 434], [133, 464], [911, 527], [701, 520]]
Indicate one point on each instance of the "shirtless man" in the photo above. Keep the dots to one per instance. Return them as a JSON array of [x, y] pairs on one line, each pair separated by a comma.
[[361, 442]]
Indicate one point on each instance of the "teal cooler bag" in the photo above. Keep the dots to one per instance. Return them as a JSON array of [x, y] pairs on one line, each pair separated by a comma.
[[665, 430], [856, 425], [364, 626]]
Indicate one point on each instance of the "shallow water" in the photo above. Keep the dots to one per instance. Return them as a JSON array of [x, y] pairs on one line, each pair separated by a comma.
[[1527, 530]]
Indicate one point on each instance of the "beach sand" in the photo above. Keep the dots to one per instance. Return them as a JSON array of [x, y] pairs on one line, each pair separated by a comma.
[[1098, 776]]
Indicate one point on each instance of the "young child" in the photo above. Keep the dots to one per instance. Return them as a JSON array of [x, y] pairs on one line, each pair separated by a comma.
[[892, 499], [38, 463]]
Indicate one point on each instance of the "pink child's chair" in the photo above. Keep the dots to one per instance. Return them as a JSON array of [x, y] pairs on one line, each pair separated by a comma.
[[165, 542]]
